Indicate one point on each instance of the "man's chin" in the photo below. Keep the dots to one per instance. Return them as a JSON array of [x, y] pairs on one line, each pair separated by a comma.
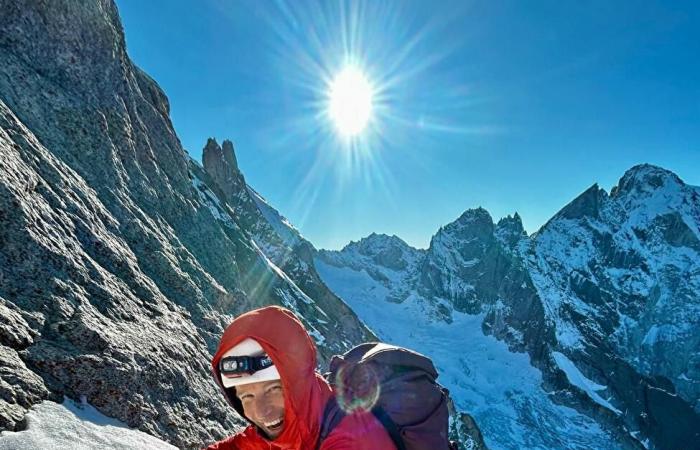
[[274, 433]]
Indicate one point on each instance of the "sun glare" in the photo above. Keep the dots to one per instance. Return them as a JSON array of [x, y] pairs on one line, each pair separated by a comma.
[[350, 101]]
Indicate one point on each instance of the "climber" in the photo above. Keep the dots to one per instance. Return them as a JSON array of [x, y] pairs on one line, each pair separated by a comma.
[[266, 368]]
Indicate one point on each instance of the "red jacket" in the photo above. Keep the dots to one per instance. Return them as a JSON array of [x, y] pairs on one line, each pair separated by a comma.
[[306, 392]]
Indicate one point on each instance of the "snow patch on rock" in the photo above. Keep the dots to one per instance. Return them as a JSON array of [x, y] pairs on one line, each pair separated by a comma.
[[579, 380]]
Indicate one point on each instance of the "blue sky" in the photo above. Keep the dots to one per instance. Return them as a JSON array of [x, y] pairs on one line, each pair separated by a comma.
[[509, 105]]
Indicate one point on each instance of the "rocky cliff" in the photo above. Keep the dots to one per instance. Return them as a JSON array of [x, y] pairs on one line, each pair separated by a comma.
[[121, 259]]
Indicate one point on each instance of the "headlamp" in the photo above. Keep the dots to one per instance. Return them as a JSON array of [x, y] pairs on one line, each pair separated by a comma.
[[238, 366]]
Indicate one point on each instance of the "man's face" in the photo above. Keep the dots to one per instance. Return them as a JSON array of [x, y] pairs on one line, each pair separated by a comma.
[[263, 403]]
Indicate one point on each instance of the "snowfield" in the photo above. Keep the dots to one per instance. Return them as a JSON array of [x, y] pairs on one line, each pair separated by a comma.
[[76, 426], [499, 388]]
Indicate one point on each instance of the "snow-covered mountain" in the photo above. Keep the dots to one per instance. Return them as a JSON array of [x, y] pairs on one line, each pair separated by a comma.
[[603, 300]]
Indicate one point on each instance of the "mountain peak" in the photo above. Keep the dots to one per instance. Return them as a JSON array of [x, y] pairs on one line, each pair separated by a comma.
[[212, 145], [588, 204], [473, 223], [220, 162], [509, 230], [388, 251], [476, 216], [511, 222], [645, 178], [377, 242], [229, 154]]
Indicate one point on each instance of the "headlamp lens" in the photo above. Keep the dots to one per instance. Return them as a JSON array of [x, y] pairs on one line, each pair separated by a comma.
[[229, 365]]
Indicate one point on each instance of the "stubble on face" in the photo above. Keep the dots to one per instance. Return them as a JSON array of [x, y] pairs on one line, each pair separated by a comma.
[[263, 404]]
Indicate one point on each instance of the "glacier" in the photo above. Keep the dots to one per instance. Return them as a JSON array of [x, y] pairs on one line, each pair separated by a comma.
[[500, 388]]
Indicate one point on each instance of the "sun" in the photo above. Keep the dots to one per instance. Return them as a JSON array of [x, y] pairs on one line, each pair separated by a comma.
[[350, 97]]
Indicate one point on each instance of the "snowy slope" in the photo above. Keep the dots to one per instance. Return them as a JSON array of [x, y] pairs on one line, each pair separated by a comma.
[[388, 259], [499, 388], [279, 223], [75, 426]]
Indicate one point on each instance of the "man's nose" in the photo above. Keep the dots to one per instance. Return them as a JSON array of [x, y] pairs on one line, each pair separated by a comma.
[[264, 409]]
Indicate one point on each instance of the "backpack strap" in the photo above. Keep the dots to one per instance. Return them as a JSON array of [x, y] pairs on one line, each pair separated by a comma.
[[390, 426], [332, 416]]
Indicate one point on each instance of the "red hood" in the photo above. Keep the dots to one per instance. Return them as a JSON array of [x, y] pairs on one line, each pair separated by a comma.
[[291, 349]]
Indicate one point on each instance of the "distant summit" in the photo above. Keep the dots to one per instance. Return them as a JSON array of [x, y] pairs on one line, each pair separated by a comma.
[[509, 230], [644, 178]]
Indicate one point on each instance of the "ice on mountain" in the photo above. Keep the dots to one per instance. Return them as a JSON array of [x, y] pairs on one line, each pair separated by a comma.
[[579, 380]]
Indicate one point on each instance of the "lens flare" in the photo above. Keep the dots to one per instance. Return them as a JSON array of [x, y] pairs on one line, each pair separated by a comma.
[[357, 388]]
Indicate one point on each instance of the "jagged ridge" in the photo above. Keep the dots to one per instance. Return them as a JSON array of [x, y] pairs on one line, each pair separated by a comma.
[[610, 283]]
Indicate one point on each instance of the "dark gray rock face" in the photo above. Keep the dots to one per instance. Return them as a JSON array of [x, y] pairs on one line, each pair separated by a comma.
[[474, 264], [96, 324], [19, 387], [608, 290], [121, 259], [509, 231], [457, 253]]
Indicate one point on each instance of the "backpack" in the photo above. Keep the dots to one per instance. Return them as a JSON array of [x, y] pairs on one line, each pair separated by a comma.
[[398, 386]]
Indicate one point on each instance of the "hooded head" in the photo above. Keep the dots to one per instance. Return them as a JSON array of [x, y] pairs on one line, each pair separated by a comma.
[[282, 337]]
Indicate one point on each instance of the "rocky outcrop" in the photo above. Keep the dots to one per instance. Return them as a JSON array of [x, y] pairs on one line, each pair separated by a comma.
[[458, 264], [121, 259], [19, 386], [588, 204], [466, 433], [509, 231], [474, 265], [220, 163]]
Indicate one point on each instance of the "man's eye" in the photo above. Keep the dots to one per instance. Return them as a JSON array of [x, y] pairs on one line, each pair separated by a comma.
[[275, 388]]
